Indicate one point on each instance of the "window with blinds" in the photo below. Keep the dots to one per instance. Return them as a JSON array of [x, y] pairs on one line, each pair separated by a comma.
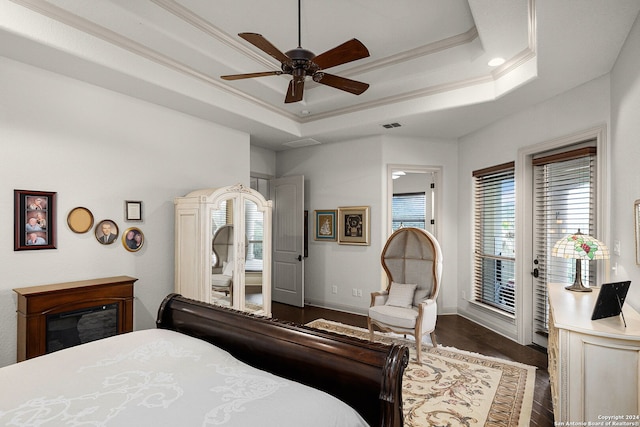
[[408, 210], [564, 202], [494, 228]]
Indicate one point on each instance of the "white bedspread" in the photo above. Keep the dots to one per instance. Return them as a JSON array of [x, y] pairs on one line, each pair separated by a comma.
[[158, 378]]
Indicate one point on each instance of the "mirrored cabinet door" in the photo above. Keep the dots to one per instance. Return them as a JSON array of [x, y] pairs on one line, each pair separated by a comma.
[[223, 248], [222, 252]]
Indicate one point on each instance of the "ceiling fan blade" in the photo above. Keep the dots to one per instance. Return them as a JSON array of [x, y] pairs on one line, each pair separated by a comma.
[[346, 52], [295, 91], [342, 83], [250, 75], [264, 45]]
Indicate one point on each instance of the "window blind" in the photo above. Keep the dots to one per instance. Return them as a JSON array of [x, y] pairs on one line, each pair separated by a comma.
[[564, 202], [408, 210], [494, 229], [254, 229]]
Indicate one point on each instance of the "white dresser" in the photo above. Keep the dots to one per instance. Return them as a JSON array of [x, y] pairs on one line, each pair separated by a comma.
[[594, 366]]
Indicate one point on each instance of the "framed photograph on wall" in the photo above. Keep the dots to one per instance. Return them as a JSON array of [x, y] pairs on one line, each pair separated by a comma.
[[34, 220], [133, 239], [325, 225], [353, 225], [106, 232], [132, 210]]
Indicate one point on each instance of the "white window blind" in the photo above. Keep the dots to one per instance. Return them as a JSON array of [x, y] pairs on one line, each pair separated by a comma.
[[494, 228], [254, 229], [565, 200], [408, 210]]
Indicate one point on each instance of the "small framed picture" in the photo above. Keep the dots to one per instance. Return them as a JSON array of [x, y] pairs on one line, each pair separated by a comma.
[[325, 225], [353, 225], [133, 239], [133, 210], [34, 220], [80, 220], [106, 232]]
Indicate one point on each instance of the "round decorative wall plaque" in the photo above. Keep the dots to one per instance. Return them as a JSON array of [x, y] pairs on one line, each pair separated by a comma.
[[80, 220]]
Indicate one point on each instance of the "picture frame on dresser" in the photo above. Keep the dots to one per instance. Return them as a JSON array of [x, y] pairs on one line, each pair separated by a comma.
[[610, 300], [34, 220]]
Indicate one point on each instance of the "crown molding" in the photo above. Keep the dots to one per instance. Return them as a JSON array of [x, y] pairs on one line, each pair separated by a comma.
[[54, 12], [45, 8], [211, 30]]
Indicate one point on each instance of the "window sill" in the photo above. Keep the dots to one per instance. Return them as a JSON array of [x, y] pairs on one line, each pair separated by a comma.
[[494, 311]]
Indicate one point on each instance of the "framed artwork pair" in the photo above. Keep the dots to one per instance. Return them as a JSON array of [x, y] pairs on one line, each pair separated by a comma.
[[348, 225], [107, 232]]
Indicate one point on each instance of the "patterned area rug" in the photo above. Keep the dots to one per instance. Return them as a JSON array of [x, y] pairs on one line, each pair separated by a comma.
[[455, 387]]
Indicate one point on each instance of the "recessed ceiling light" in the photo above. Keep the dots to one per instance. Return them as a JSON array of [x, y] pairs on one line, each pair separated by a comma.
[[496, 61]]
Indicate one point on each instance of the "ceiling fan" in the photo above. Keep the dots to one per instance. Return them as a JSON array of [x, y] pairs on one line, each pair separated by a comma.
[[300, 63]]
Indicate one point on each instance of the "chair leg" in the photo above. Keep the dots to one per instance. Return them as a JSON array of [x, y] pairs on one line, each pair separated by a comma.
[[433, 339], [419, 349], [370, 329]]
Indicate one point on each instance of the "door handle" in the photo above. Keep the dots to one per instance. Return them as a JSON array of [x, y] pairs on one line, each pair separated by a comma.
[[535, 272], [299, 257]]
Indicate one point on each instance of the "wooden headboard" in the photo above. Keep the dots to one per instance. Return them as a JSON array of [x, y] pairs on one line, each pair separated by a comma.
[[365, 375]]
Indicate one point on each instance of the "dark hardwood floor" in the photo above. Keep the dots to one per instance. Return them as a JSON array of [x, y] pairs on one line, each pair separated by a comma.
[[454, 331]]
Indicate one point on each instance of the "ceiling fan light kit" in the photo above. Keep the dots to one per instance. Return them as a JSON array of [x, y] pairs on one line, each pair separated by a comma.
[[301, 63]]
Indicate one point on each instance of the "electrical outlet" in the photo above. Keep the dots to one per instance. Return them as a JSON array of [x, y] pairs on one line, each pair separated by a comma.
[[359, 292], [354, 292], [334, 289]]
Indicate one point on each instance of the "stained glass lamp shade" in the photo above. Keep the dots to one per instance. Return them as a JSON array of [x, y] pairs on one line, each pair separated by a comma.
[[580, 246]]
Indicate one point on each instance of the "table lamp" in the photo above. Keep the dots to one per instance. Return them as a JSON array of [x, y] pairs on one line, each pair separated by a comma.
[[580, 246]]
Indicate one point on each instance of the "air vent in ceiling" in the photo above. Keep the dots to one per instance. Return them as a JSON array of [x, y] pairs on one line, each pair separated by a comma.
[[391, 125], [301, 143]]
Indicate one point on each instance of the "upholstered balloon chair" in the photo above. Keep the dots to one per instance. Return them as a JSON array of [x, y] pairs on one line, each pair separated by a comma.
[[222, 245], [412, 260]]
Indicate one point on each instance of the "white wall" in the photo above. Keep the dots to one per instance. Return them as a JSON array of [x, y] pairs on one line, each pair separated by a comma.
[[96, 149], [625, 156], [353, 173], [263, 161], [582, 108], [342, 174]]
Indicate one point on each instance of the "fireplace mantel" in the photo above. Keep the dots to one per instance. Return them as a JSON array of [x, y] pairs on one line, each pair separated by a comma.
[[35, 303]]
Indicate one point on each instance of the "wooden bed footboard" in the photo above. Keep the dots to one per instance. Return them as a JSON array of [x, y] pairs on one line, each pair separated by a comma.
[[365, 375]]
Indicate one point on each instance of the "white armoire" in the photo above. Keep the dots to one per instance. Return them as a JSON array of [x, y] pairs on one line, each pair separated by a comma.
[[198, 216]]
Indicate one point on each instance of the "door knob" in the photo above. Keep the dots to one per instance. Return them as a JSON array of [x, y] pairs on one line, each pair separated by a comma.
[[299, 257]]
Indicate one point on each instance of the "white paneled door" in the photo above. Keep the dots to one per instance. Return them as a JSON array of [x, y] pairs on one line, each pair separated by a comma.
[[287, 195]]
